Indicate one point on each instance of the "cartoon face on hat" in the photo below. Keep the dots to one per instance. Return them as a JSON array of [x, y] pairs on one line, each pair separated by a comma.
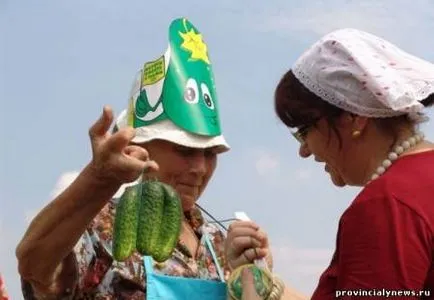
[[178, 86]]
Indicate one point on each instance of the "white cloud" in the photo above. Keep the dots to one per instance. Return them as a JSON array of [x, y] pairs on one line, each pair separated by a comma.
[[269, 166], [300, 267], [266, 164], [67, 178], [29, 215], [62, 183], [306, 261], [303, 174]]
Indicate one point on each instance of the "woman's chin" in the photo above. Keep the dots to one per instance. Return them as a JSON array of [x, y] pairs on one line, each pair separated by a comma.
[[338, 181], [335, 178], [188, 202]]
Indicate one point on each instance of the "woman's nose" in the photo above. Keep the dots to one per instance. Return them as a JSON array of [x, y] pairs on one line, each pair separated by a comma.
[[198, 163], [304, 150]]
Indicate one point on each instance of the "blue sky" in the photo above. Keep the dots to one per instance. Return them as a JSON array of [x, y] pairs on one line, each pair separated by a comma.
[[63, 60]]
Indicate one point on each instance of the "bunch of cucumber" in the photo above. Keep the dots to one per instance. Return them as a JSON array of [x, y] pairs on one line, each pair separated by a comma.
[[148, 219]]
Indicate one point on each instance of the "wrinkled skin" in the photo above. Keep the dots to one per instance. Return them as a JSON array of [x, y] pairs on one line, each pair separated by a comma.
[[246, 242], [114, 159], [187, 170]]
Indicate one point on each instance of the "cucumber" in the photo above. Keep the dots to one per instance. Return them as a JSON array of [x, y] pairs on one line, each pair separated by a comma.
[[125, 223], [171, 226], [150, 217]]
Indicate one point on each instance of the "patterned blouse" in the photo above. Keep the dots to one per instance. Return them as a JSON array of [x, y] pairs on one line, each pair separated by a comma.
[[101, 277]]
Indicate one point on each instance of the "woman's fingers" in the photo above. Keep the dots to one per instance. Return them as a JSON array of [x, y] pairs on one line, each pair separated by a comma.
[[248, 256], [242, 224], [99, 129], [137, 152], [241, 243], [121, 139], [245, 242], [247, 237]]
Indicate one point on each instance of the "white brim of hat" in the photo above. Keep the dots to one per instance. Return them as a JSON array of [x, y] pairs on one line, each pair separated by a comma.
[[168, 131]]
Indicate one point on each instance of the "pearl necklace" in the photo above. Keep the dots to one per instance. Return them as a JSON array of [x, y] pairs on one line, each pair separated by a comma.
[[392, 156]]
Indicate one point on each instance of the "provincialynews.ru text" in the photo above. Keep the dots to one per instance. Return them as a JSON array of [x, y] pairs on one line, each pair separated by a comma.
[[381, 293]]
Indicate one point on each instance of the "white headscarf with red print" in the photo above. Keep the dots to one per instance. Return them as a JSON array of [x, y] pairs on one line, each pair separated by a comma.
[[366, 75]]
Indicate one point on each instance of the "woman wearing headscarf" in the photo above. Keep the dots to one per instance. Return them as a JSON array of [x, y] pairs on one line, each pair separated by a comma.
[[356, 102]]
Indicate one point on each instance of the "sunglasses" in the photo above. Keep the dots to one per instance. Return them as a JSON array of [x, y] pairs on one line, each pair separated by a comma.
[[302, 131]]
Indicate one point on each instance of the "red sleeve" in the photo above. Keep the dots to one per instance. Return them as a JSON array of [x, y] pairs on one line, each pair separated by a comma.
[[383, 244]]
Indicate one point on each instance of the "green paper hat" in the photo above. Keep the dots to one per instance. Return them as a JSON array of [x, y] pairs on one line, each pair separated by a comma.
[[177, 90]]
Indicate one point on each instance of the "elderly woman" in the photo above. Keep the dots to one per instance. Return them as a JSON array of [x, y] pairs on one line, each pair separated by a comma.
[[356, 101], [172, 130]]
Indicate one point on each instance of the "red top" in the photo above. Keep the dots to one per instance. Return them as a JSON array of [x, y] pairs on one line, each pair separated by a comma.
[[385, 238], [3, 293]]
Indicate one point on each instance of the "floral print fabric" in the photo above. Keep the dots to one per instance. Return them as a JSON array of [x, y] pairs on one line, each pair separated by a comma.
[[101, 277]]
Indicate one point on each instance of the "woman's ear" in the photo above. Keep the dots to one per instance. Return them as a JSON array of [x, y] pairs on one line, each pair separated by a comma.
[[353, 123], [360, 123]]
